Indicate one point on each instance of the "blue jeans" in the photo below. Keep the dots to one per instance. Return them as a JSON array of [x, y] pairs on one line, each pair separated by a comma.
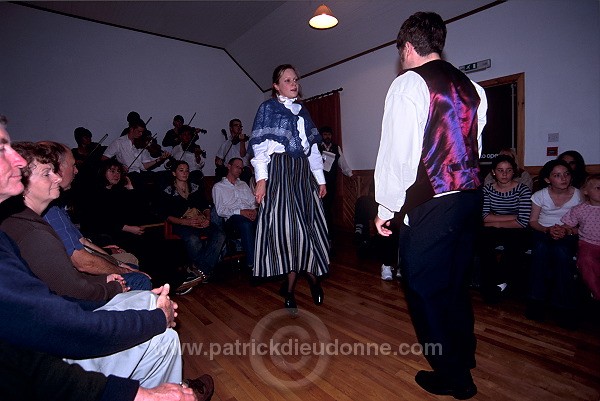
[[553, 270], [203, 253], [247, 230], [137, 281]]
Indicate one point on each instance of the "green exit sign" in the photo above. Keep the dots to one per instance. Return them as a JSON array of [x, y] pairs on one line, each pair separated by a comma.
[[477, 66]]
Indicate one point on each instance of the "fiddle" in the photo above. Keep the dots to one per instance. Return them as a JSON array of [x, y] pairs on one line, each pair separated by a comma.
[[147, 141]]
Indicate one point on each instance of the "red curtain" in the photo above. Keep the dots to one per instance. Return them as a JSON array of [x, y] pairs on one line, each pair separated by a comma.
[[326, 111]]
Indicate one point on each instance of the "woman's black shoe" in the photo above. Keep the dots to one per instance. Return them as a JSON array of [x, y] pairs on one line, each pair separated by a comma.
[[290, 303], [317, 293]]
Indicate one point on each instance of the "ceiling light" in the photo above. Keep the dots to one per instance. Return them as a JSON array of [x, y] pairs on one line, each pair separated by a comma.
[[323, 18]]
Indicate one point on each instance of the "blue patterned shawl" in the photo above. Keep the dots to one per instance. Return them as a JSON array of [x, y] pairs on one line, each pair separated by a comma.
[[274, 121]]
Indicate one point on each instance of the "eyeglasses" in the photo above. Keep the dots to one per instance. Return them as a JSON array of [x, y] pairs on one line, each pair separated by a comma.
[[238, 125]]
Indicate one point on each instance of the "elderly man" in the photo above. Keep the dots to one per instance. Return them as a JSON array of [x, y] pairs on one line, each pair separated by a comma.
[[131, 337]]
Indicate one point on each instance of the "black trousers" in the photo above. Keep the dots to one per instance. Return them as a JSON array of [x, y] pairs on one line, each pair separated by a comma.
[[436, 250]]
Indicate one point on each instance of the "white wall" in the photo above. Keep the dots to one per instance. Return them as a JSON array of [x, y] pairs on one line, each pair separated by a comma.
[[556, 43], [58, 73]]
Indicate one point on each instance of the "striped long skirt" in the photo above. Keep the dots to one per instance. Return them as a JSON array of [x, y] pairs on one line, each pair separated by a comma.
[[291, 233]]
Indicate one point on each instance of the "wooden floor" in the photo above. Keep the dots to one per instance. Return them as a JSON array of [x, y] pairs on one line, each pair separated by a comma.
[[235, 323]]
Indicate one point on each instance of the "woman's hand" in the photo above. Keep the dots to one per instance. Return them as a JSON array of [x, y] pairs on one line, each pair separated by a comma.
[[128, 183], [119, 279], [137, 230], [322, 190], [260, 190], [557, 232]]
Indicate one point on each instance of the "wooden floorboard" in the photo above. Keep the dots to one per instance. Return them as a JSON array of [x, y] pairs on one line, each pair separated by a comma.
[[517, 359]]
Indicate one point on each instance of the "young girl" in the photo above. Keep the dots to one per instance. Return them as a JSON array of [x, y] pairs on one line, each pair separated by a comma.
[[584, 219], [506, 211], [553, 244]]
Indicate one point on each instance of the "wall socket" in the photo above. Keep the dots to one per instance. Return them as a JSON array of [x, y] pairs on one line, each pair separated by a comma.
[[553, 137]]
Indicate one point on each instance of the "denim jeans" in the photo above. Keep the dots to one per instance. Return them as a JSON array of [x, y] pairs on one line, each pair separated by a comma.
[[247, 230], [552, 275], [203, 253], [137, 281]]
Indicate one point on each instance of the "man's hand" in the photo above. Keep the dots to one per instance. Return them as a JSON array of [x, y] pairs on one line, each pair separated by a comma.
[[250, 214], [260, 190], [165, 392], [382, 227], [164, 302]]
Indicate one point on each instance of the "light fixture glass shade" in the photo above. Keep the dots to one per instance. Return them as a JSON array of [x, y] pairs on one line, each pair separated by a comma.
[[323, 18]]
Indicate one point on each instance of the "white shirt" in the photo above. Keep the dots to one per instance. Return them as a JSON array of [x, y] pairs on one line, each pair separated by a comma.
[[126, 152], [188, 157], [230, 198], [342, 163], [234, 151], [550, 214], [402, 129], [264, 150]]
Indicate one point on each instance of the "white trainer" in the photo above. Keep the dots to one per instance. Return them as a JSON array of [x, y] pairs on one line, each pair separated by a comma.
[[386, 273]]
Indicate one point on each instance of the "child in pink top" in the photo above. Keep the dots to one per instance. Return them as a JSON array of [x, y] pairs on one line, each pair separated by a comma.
[[585, 220]]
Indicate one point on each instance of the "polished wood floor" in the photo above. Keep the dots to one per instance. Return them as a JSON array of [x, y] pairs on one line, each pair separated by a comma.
[[368, 334]]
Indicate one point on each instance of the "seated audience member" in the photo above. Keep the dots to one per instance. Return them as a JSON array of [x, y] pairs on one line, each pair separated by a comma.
[[85, 256], [553, 245], [187, 209], [40, 246], [37, 322], [235, 202], [584, 220], [365, 210], [506, 211], [577, 164], [115, 213], [190, 153], [520, 175]]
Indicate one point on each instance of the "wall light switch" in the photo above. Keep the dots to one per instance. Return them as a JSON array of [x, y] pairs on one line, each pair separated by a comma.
[[553, 137]]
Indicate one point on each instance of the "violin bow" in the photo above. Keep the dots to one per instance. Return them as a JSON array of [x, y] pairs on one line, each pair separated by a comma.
[[97, 146], [139, 154]]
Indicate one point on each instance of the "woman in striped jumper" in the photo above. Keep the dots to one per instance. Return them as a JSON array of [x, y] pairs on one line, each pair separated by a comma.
[[291, 234], [506, 210]]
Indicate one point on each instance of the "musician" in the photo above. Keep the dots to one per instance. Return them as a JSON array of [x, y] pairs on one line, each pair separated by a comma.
[[136, 159], [87, 156], [189, 152], [234, 148], [172, 137]]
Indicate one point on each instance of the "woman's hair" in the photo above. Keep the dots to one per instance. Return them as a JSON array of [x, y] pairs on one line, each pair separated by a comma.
[[173, 169], [547, 170], [40, 153], [579, 173], [278, 72], [178, 163], [107, 165], [504, 158]]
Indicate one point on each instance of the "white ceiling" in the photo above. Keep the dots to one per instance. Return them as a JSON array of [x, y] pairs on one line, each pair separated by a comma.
[[259, 35]]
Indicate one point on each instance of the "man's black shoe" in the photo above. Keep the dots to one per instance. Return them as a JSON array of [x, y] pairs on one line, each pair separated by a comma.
[[432, 383]]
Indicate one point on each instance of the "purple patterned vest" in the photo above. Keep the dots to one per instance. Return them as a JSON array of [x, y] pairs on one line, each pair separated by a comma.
[[450, 157]]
